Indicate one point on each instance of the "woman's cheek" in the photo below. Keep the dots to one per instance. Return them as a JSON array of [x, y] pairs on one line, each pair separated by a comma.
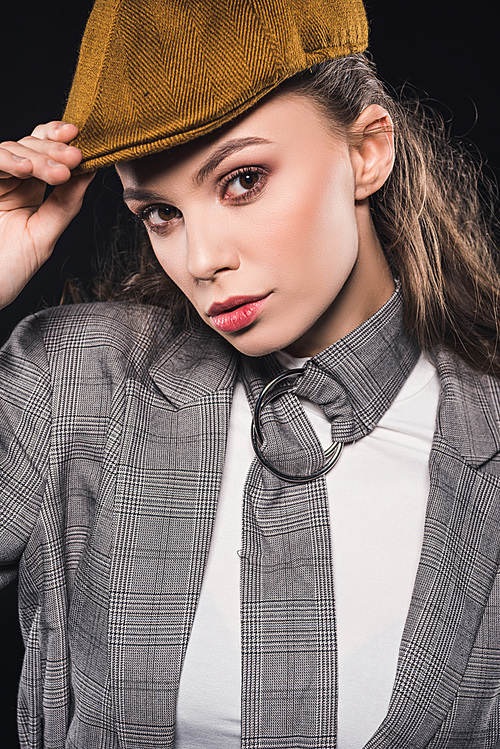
[[168, 259]]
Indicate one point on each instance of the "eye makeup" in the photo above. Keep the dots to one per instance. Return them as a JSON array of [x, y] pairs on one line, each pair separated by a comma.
[[248, 182]]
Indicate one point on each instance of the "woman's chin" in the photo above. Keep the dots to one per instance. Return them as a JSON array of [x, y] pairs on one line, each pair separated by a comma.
[[256, 345]]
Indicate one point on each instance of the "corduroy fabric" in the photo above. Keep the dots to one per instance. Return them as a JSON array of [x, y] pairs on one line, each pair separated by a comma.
[[158, 73]]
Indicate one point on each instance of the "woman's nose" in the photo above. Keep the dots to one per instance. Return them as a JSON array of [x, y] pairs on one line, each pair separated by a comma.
[[209, 252]]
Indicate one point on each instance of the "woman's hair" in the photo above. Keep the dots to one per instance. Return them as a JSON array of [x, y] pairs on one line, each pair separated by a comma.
[[434, 216]]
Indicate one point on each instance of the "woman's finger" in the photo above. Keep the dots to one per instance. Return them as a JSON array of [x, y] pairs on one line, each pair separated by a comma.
[[8, 184], [28, 146], [56, 130], [45, 154], [33, 157], [14, 165]]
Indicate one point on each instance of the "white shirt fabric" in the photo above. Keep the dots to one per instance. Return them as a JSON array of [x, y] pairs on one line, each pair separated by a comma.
[[377, 500]]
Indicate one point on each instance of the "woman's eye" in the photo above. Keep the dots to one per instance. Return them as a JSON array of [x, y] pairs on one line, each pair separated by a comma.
[[159, 215], [242, 183]]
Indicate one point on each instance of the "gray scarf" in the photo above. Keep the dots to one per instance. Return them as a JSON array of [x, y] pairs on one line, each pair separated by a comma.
[[288, 615]]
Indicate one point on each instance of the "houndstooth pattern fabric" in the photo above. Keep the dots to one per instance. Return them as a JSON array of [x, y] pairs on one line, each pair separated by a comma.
[[112, 439]]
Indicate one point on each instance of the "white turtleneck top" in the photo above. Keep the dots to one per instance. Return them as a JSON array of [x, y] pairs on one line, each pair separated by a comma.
[[377, 500]]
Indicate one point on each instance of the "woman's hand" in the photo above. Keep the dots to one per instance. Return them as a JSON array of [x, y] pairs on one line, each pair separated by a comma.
[[30, 225]]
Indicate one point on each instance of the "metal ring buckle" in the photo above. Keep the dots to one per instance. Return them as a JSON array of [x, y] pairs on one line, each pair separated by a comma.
[[332, 453]]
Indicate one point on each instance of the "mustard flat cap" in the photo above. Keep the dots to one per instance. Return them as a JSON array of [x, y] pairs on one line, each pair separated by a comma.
[[153, 74]]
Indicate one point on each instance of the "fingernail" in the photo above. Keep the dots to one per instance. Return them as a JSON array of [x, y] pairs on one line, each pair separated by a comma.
[[51, 162], [18, 158], [61, 124]]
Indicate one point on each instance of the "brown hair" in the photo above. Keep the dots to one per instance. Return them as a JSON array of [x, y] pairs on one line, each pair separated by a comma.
[[433, 222]]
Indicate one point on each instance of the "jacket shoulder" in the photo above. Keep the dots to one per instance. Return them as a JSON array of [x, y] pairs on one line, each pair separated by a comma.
[[470, 411], [120, 325], [102, 341]]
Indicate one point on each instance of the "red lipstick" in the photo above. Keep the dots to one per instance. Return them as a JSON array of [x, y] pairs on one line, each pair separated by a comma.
[[235, 313]]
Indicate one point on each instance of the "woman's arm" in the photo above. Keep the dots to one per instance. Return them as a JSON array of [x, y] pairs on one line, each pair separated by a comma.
[[25, 428]]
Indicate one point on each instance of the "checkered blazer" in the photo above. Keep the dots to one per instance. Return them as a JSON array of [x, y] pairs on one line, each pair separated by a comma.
[[112, 439]]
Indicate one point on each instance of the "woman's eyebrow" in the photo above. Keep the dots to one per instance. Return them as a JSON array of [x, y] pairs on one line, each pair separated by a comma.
[[221, 153], [131, 193]]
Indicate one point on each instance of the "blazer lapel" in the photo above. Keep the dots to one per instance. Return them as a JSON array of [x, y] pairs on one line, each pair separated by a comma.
[[172, 454], [459, 560]]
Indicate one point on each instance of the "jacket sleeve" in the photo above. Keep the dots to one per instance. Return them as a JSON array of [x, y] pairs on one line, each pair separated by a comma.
[[25, 427]]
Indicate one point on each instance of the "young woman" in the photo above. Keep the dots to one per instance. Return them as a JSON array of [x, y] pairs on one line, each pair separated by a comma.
[[256, 501]]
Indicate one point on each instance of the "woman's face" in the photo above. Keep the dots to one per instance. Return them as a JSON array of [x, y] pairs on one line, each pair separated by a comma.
[[259, 227]]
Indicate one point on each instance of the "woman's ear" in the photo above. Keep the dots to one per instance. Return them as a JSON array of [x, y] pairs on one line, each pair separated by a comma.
[[372, 152]]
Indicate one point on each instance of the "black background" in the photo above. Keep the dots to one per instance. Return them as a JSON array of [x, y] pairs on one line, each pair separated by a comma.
[[446, 50]]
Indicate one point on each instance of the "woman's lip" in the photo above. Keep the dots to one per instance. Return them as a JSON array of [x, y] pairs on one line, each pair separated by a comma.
[[236, 313], [219, 308]]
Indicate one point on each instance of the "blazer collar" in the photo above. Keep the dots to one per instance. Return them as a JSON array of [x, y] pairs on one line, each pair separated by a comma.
[[356, 379], [190, 365]]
